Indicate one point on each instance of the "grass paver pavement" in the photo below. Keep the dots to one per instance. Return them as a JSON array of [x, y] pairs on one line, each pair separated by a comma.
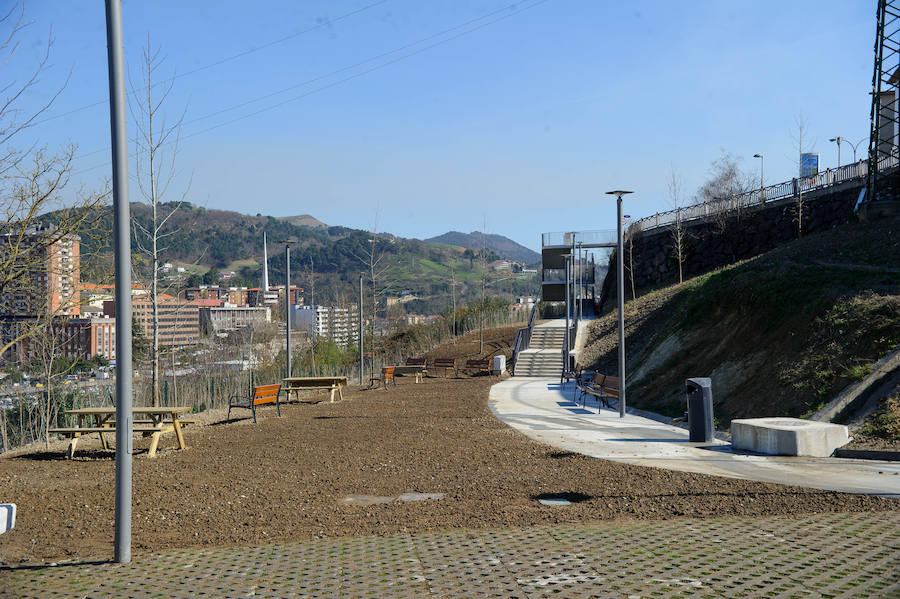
[[821, 555]]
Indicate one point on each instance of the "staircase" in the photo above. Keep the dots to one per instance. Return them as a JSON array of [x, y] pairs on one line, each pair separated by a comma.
[[543, 358]]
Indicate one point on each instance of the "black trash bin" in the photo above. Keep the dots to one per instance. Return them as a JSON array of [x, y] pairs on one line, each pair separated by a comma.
[[700, 409]]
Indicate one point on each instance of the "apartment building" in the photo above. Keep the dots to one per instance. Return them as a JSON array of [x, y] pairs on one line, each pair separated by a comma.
[[179, 321], [330, 322], [72, 338], [225, 318], [52, 271]]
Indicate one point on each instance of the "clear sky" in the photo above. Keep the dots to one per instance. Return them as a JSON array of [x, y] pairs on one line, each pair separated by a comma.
[[438, 115]]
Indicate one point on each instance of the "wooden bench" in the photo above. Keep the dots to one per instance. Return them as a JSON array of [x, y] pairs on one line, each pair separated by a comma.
[[387, 375], [445, 364], [262, 395], [601, 386], [296, 384], [478, 366]]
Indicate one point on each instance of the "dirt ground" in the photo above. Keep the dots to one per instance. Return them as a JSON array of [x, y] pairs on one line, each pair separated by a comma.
[[287, 478]]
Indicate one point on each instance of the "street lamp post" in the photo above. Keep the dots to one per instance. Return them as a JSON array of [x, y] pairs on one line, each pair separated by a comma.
[[361, 346], [566, 339], [287, 303], [838, 140], [620, 292], [122, 246], [762, 184]]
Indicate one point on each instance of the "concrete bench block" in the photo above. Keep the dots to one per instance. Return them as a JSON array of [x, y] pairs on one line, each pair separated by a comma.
[[788, 436]]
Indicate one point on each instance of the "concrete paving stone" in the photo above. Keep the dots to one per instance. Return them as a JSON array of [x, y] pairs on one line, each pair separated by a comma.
[[823, 555]]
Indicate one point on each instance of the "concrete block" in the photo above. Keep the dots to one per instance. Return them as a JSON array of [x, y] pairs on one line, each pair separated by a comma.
[[788, 436]]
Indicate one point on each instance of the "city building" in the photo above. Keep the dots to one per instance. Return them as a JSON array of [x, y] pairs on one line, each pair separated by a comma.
[[274, 296], [72, 338], [338, 324], [52, 271], [179, 321], [225, 318], [230, 295]]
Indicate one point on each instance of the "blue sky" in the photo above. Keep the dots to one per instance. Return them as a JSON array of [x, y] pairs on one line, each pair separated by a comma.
[[432, 116]]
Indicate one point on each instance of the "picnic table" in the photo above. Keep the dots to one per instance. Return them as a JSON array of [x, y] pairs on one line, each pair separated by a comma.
[[412, 369], [295, 384], [147, 420]]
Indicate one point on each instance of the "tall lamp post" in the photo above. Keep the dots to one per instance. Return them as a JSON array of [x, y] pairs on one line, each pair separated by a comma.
[[762, 163], [838, 140], [122, 246], [287, 304], [566, 347], [360, 331], [620, 293]]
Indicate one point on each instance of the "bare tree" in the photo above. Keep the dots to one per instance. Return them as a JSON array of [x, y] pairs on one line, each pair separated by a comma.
[[723, 191], [34, 217], [453, 301], [375, 258], [156, 151], [483, 265], [313, 338], [678, 232], [797, 136], [629, 238]]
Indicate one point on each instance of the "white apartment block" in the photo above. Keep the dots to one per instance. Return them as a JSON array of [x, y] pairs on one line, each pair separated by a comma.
[[330, 322]]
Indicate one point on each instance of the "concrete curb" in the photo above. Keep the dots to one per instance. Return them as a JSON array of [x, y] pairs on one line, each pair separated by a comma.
[[853, 396]]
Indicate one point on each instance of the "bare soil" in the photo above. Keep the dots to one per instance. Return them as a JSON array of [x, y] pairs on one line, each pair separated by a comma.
[[286, 479]]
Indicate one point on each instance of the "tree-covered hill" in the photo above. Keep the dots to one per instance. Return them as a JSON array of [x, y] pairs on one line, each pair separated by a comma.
[[331, 257]]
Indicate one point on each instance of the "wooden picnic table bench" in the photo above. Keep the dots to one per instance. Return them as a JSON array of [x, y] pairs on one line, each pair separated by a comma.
[[261, 395], [155, 422], [414, 366], [478, 366], [445, 364], [295, 384], [601, 386]]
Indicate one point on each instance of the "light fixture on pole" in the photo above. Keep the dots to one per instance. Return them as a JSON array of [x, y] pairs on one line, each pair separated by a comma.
[[566, 348], [287, 304], [620, 293], [762, 163], [838, 140], [360, 330], [122, 247]]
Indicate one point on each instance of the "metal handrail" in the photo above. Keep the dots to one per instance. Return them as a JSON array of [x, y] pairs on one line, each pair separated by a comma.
[[522, 340], [828, 178]]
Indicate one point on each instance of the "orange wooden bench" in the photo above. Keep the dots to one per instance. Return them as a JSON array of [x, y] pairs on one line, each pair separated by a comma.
[[387, 375], [262, 394]]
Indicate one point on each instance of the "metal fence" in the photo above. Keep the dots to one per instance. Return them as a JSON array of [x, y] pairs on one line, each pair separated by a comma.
[[856, 171]]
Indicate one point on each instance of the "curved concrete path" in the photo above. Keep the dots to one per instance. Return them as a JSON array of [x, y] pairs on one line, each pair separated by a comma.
[[544, 411]]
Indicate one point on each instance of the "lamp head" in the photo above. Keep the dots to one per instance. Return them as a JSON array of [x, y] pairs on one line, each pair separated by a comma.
[[618, 193], [757, 155]]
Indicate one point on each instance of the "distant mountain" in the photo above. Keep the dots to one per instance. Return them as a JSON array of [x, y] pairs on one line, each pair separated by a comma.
[[221, 239], [500, 245], [304, 220]]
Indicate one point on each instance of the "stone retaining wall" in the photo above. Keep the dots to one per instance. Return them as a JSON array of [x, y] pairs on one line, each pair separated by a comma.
[[721, 240]]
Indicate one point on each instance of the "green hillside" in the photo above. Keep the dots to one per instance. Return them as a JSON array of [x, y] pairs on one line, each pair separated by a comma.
[[331, 256], [779, 334]]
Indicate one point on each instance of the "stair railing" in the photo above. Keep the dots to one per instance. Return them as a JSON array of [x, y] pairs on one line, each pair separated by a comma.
[[523, 338]]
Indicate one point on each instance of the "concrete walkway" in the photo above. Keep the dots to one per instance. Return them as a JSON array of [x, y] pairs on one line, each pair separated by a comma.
[[545, 411]]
